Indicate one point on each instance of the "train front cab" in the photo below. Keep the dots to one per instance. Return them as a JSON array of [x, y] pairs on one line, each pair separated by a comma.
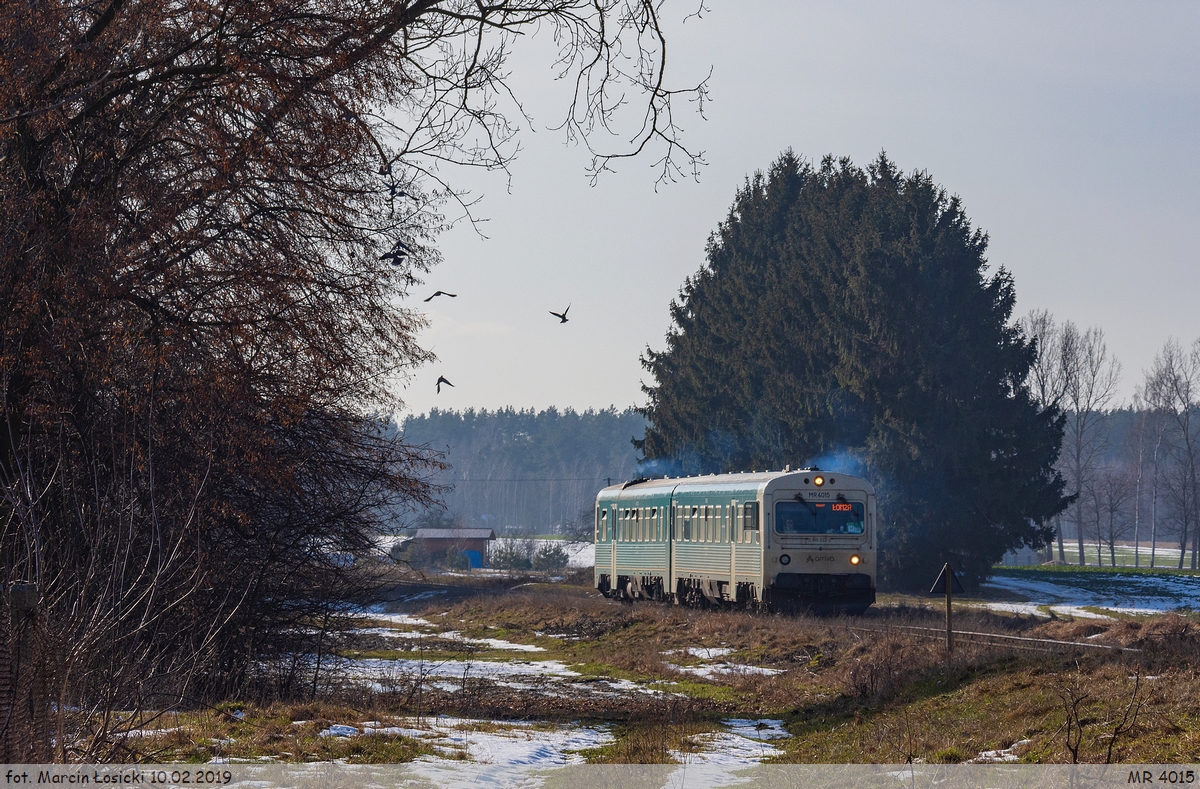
[[822, 552]]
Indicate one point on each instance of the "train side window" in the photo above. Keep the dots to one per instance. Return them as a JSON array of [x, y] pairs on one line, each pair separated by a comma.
[[604, 524], [750, 519], [722, 512]]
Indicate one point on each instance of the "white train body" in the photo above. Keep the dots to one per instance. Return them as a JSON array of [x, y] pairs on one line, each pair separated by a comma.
[[787, 539]]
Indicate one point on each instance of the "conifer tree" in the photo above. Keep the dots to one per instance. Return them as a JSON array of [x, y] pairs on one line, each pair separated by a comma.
[[851, 310]]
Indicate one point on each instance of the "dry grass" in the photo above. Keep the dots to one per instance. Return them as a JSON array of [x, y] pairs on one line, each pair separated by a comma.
[[847, 695]]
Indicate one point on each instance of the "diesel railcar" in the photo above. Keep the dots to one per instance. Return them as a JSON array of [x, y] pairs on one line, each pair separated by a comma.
[[783, 540]]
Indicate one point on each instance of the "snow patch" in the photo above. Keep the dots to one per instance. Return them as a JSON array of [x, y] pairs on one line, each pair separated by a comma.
[[339, 730], [406, 620], [1127, 593], [998, 756], [492, 742], [725, 749], [704, 653], [724, 668]]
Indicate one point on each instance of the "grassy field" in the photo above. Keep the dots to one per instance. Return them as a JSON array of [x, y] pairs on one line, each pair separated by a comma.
[[657, 680], [1166, 557]]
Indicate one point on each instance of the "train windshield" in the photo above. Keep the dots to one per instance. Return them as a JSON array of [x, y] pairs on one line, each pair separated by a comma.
[[819, 517]]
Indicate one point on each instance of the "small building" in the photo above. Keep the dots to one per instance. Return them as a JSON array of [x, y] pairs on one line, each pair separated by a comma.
[[441, 544], [1022, 557]]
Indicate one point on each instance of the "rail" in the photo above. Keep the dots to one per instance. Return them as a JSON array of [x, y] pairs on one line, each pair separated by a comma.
[[992, 639]]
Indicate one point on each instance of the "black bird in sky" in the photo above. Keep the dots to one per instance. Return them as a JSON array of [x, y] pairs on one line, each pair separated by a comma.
[[442, 380], [398, 253], [442, 293], [562, 316]]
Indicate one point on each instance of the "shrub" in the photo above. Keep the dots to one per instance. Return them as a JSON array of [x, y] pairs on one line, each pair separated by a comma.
[[512, 555], [551, 557]]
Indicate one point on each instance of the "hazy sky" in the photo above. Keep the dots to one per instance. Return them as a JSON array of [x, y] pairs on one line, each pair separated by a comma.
[[1071, 131]]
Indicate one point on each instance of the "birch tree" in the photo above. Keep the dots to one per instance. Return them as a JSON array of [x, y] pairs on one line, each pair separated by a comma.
[[1090, 378], [1173, 386]]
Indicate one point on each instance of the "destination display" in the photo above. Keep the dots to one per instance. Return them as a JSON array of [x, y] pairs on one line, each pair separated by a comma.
[[820, 517]]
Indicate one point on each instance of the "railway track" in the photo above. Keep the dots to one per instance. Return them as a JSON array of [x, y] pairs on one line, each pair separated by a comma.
[[1023, 643]]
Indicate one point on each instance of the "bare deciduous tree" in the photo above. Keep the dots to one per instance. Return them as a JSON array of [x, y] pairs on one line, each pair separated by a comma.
[[1173, 387], [1147, 435], [210, 214], [1048, 376], [1073, 371], [1090, 378], [1109, 494]]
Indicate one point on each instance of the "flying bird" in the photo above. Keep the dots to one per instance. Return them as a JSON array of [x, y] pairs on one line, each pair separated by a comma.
[[562, 316], [442, 380], [398, 253], [441, 293]]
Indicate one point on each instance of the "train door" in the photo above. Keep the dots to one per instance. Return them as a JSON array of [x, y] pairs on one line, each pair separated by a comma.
[[616, 534], [672, 583], [735, 536]]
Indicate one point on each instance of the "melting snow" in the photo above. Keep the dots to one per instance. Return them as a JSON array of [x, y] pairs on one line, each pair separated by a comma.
[[407, 620], [1067, 593], [503, 742], [704, 653], [451, 635], [339, 730], [1001, 755], [375, 669], [725, 749], [724, 668]]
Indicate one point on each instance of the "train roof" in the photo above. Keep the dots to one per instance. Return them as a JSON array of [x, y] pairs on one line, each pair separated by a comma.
[[720, 482]]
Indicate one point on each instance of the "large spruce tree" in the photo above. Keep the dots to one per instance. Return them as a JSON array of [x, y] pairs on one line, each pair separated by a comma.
[[850, 310]]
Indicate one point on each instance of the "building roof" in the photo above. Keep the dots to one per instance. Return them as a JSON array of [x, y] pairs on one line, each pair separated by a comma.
[[455, 534]]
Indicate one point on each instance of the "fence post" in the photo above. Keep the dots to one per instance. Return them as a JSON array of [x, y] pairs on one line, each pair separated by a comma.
[[26, 737]]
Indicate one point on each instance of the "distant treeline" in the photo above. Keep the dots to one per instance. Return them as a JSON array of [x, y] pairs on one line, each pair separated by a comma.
[[1135, 480], [525, 472]]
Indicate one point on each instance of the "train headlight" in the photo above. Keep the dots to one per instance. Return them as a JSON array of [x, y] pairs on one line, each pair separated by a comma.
[[785, 559], [818, 481], [855, 559]]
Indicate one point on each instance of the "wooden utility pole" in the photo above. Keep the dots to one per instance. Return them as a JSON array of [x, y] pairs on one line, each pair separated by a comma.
[[949, 610], [948, 583]]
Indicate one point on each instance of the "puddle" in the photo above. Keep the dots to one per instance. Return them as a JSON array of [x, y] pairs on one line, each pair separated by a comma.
[[763, 729]]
